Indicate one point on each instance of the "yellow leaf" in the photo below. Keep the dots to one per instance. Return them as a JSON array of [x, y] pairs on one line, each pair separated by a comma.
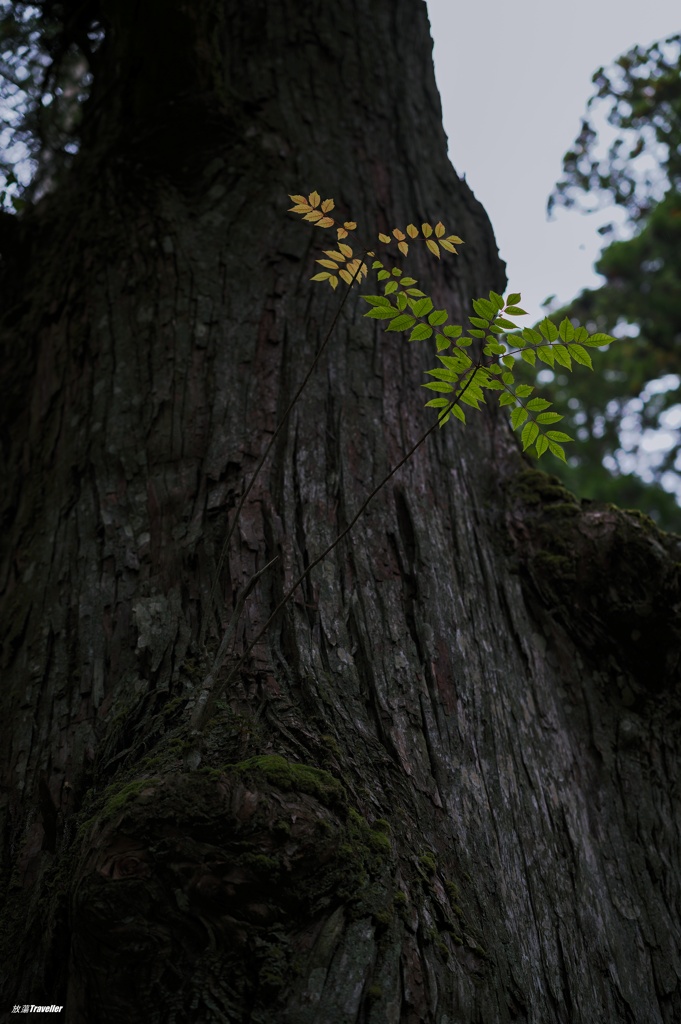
[[334, 255], [371, 254], [433, 247], [327, 263], [455, 239], [355, 268], [302, 208], [327, 205], [314, 199], [446, 244], [333, 281], [326, 222], [315, 215], [349, 225], [439, 229], [346, 276], [412, 231], [399, 235], [384, 238], [342, 233], [346, 250], [320, 277], [403, 247], [427, 230], [300, 200]]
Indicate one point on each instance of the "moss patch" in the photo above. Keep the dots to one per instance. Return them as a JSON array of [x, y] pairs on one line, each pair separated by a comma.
[[291, 776]]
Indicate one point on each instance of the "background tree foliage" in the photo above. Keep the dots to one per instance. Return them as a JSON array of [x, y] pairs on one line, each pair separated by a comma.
[[639, 387], [47, 57]]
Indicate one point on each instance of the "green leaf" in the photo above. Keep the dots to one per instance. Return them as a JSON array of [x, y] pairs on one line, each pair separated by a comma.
[[508, 379], [493, 348], [437, 403], [515, 311], [541, 445], [406, 282], [523, 390], [415, 293], [476, 334], [376, 300], [497, 300], [401, 323], [557, 435], [421, 307], [529, 434], [566, 330], [507, 325], [396, 272], [580, 355], [478, 322], [441, 342], [537, 404], [596, 340], [464, 342], [548, 417], [402, 301], [436, 385], [453, 330], [459, 413], [532, 336], [508, 361], [528, 354], [518, 416], [382, 274], [507, 398], [420, 333], [376, 265], [581, 334], [382, 312], [548, 329], [437, 317], [546, 355], [459, 362], [471, 397], [513, 298], [484, 308], [562, 357], [556, 449], [444, 374], [391, 287]]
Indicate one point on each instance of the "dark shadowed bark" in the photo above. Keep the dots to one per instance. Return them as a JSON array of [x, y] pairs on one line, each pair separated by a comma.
[[444, 787]]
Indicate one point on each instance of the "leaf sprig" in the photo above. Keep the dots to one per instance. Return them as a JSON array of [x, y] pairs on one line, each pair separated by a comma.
[[495, 341], [341, 262]]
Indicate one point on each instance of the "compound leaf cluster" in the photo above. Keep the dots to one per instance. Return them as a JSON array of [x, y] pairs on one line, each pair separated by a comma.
[[483, 355]]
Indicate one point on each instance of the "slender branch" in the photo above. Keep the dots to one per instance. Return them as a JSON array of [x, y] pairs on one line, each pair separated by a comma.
[[229, 632], [280, 424], [208, 697]]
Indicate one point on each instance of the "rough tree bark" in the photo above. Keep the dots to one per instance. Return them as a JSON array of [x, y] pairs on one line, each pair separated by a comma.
[[445, 786]]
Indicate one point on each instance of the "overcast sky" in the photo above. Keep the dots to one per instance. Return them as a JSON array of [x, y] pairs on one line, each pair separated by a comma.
[[514, 80]]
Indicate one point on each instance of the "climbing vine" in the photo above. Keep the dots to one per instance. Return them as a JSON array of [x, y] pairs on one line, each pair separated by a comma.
[[482, 359]]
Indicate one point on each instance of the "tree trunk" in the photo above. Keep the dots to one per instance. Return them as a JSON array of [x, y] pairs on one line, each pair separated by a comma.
[[443, 787]]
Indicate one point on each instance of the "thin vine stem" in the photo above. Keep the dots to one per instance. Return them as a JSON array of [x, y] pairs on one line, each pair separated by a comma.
[[207, 698], [280, 424]]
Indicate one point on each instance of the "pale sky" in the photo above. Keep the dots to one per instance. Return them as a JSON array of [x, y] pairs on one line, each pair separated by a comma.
[[514, 78]]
